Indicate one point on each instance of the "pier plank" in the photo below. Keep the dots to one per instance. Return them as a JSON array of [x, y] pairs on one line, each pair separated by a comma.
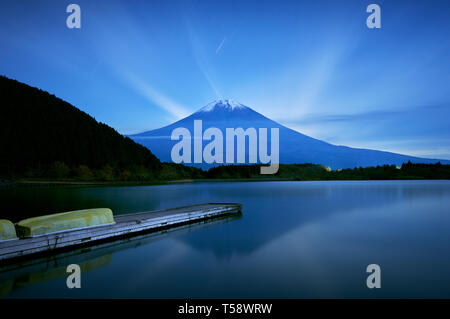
[[126, 225]]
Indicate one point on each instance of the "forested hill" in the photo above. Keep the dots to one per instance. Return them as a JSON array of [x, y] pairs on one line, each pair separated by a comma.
[[42, 135]]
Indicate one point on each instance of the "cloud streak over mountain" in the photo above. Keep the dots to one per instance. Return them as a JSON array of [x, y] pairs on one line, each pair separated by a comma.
[[176, 110]]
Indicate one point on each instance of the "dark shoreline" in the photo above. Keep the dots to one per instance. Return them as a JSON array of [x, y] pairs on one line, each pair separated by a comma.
[[190, 181], [133, 183], [251, 173]]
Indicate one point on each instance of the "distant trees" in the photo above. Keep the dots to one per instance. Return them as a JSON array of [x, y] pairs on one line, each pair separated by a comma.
[[387, 172], [291, 171], [84, 173], [320, 172], [59, 170], [106, 173]]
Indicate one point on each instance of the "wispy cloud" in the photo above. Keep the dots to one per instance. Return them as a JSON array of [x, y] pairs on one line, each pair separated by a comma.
[[420, 112], [301, 83], [221, 45], [201, 58], [176, 110], [415, 130]]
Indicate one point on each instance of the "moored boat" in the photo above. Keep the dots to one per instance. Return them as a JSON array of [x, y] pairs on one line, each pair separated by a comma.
[[45, 234]]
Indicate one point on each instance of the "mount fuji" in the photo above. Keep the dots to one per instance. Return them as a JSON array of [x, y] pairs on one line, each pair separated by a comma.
[[294, 147]]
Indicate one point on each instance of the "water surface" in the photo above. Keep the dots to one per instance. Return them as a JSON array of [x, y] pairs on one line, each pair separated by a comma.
[[294, 240]]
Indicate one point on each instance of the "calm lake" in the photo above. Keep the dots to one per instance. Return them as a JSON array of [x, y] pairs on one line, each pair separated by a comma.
[[293, 240]]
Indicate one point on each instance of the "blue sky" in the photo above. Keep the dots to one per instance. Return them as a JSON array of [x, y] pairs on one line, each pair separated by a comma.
[[311, 65]]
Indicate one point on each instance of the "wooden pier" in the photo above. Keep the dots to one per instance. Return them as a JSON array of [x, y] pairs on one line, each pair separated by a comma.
[[125, 226]]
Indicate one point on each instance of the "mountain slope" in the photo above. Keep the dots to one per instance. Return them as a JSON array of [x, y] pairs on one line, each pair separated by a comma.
[[38, 129], [294, 147]]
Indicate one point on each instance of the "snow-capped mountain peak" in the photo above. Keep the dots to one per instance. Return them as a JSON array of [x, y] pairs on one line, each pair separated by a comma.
[[222, 104], [294, 147]]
